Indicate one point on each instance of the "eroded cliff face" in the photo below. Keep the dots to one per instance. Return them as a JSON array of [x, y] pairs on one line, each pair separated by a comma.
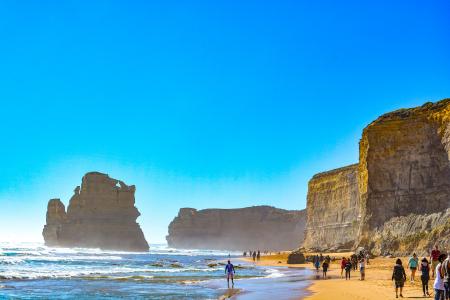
[[402, 181], [101, 214], [333, 209], [252, 228], [404, 166], [413, 233]]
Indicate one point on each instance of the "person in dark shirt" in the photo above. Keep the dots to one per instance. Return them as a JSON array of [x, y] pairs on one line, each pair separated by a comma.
[[399, 276], [325, 266], [348, 269], [424, 267], [229, 271]]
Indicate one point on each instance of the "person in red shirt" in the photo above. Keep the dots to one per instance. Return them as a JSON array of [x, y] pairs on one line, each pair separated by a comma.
[[343, 263], [434, 257]]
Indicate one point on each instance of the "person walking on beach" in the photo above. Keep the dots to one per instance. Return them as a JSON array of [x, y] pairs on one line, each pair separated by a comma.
[[343, 263], [317, 264], [399, 276], [254, 256], [425, 277], [446, 271], [434, 258], [354, 259], [258, 256], [229, 271], [439, 287], [412, 264], [362, 268], [348, 269], [325, 266]]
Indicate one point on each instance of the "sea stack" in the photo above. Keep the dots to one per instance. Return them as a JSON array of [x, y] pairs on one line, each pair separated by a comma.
[[251, 228], [101, 214]]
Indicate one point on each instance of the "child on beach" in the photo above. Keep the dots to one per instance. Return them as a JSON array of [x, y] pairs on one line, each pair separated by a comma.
[[348, 269], [425, 277], [412, 263], [325, 266], [399, 276]]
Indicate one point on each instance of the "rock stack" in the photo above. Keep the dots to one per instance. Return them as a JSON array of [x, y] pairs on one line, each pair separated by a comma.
[[101, 214]]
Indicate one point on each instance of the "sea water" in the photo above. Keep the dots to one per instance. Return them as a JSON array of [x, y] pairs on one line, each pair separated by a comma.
[[34, 271]]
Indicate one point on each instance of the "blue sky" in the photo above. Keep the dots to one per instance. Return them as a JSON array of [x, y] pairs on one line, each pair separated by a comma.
[[201, 103]]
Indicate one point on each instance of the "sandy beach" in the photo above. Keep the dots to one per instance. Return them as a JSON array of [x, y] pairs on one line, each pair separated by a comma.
[[376, 286]]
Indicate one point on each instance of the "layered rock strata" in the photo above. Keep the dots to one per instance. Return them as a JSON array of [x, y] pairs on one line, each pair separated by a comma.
[[333, 209], [252, 228], [101, 214], [403, 174]]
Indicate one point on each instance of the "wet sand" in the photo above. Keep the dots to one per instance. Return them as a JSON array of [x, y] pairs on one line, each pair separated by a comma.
[[376, 286], [281, 283]]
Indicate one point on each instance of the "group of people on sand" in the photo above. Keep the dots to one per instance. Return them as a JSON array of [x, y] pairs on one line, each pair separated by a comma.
[[353, 263], [439, 267], [256, 255]]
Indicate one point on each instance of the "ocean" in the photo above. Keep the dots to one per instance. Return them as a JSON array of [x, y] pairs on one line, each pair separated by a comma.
[[34, 271]]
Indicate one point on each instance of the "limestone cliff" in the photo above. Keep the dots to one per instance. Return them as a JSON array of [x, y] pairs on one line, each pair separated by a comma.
[[101, 214], [404, 165], [251, 228], [333, 209], [402, 180]]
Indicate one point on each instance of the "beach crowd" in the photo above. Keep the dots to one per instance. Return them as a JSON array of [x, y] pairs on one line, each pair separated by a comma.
[[436, 267]]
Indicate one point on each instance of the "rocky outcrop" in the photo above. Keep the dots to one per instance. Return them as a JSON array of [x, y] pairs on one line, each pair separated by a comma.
[[413, 233], [252, 228], [402, 181], [333, 209], [296, 257], [101, 214]]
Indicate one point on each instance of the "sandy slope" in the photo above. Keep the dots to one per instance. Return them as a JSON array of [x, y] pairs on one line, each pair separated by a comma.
[[377, 286]]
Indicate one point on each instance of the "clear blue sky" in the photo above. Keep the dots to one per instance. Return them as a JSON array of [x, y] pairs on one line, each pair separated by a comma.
[[201, 103]]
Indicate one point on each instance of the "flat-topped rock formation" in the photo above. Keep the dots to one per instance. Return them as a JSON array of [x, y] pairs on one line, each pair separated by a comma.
[[101, 214], [333, 209], [251, 228], [403, 175]]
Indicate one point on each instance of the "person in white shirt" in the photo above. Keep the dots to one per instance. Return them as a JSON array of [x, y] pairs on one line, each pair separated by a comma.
[[362, 268], [438, 286]]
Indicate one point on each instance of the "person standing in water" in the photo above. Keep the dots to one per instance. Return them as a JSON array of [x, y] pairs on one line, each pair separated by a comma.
[[325, 266], [254, 255], [229, 271], [425, 277], [258, 256], [399, 276]]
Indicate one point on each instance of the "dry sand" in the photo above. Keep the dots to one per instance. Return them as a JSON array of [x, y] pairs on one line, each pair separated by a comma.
[[376, 286]]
